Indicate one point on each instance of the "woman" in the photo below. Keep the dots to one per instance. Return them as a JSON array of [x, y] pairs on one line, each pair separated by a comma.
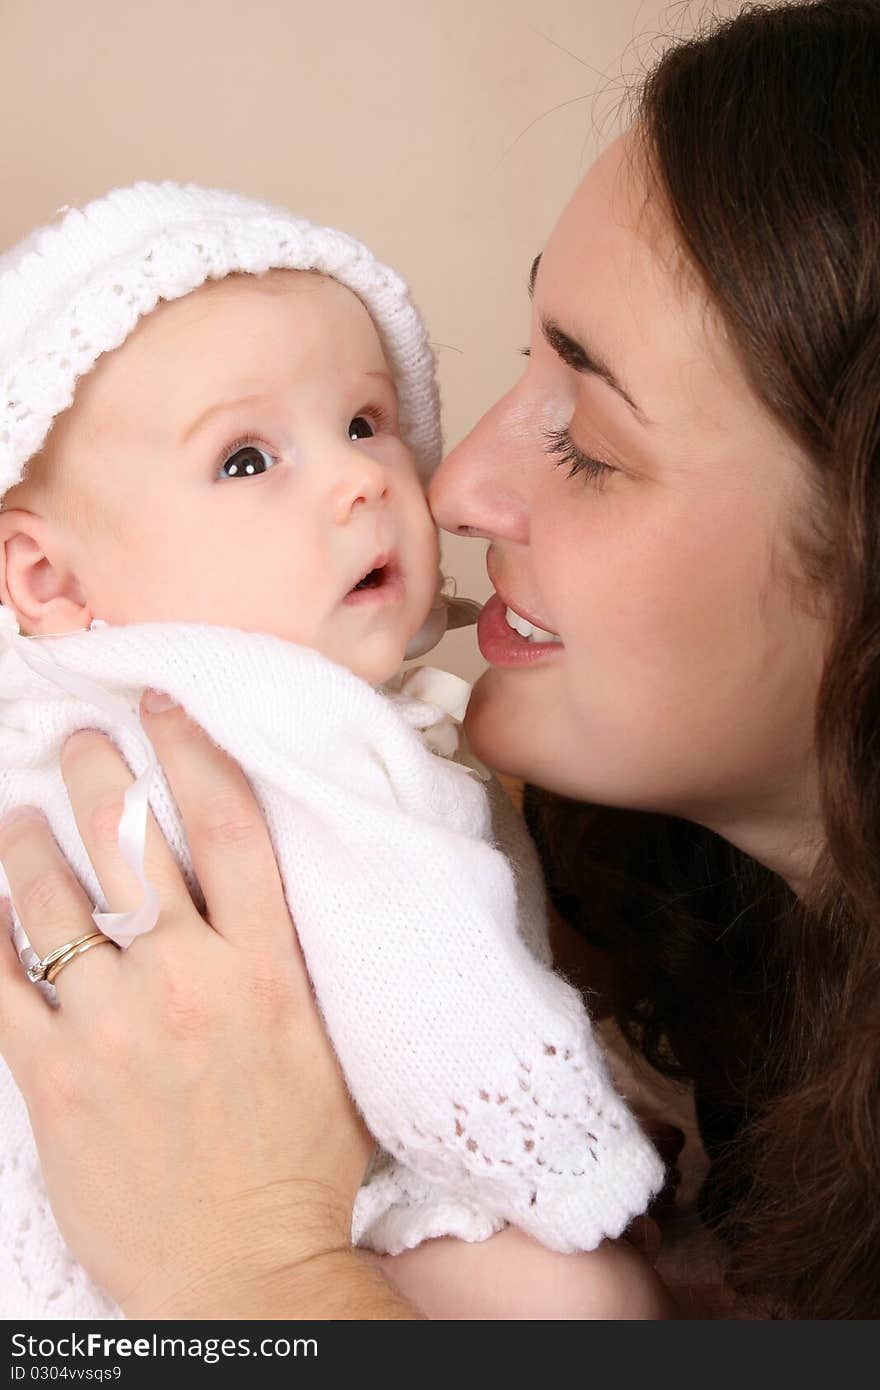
[[705, 369]]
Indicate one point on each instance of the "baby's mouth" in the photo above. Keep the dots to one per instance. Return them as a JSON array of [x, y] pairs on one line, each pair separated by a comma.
[[384, 573], [374, 580]]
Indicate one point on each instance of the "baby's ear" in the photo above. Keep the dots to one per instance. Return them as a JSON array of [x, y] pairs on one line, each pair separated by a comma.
[[36, 577]]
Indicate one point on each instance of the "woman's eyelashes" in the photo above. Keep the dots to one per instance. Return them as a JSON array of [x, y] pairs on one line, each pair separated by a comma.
[[249, 457], [560, 443]]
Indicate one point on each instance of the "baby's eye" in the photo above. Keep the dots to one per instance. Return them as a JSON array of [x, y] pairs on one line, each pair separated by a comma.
[[247, 460], [360, 428]]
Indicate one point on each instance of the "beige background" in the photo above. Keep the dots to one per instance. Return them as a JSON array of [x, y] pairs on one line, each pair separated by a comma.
[[447, 134]]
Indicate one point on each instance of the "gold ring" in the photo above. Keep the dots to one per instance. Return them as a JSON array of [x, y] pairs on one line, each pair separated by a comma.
[[99, 939], [47, 968]]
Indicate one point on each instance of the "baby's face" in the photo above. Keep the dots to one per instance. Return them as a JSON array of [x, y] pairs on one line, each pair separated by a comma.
[[243, 446]]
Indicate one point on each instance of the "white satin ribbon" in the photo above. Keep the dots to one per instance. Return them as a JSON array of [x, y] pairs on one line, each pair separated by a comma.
[[121, 927], [450, 694]]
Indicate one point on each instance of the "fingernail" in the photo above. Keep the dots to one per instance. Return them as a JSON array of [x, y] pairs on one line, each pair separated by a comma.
[[155, 701]]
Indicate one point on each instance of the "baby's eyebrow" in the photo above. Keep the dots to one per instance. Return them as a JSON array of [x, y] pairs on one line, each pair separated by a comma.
[[222, 409], [226, 406]]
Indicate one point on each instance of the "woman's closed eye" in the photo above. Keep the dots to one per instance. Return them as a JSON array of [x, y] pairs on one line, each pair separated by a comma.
[[560, 442]]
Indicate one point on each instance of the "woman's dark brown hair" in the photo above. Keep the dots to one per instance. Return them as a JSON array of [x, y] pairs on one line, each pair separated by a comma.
[[762, 142]]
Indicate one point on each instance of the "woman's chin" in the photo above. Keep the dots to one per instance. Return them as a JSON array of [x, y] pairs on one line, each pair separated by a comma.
[[531, 740], [496, 728]]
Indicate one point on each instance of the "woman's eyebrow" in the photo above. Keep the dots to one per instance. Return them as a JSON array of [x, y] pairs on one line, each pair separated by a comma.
[[578, 357]]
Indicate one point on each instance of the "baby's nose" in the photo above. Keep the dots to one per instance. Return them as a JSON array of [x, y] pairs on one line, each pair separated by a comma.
[[362, 483]]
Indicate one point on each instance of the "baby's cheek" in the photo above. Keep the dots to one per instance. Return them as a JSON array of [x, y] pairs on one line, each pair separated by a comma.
[[135, 578]]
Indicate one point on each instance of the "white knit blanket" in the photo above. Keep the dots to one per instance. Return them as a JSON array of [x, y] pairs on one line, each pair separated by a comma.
[[473, 1064]]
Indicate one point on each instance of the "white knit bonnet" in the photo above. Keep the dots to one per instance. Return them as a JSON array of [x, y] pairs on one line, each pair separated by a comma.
[[76, 288]]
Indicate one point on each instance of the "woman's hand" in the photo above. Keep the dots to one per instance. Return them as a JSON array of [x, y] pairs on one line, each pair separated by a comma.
[[194, 1128]]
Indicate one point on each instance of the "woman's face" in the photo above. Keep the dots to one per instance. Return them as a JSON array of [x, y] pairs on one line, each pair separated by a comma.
[[686, 674]]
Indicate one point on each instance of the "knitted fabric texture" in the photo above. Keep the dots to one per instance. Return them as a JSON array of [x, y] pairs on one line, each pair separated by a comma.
[[474, 1065], [77, 287]]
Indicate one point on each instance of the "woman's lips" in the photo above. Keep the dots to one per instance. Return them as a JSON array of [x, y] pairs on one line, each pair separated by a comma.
[[501, 646]]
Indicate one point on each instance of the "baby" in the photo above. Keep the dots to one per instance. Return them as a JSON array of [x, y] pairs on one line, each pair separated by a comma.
[[216, 426]]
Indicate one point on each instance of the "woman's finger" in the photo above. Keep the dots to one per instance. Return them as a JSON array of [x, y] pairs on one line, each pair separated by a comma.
[[231, 849], [25, 1018], [97, 778], [49, 900]]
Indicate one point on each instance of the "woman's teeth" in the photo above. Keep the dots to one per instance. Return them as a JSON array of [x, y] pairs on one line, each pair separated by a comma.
[[528, 630]]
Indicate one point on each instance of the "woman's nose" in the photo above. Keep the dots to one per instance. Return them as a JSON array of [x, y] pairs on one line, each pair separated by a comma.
[[362, 482], [479, 488]]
